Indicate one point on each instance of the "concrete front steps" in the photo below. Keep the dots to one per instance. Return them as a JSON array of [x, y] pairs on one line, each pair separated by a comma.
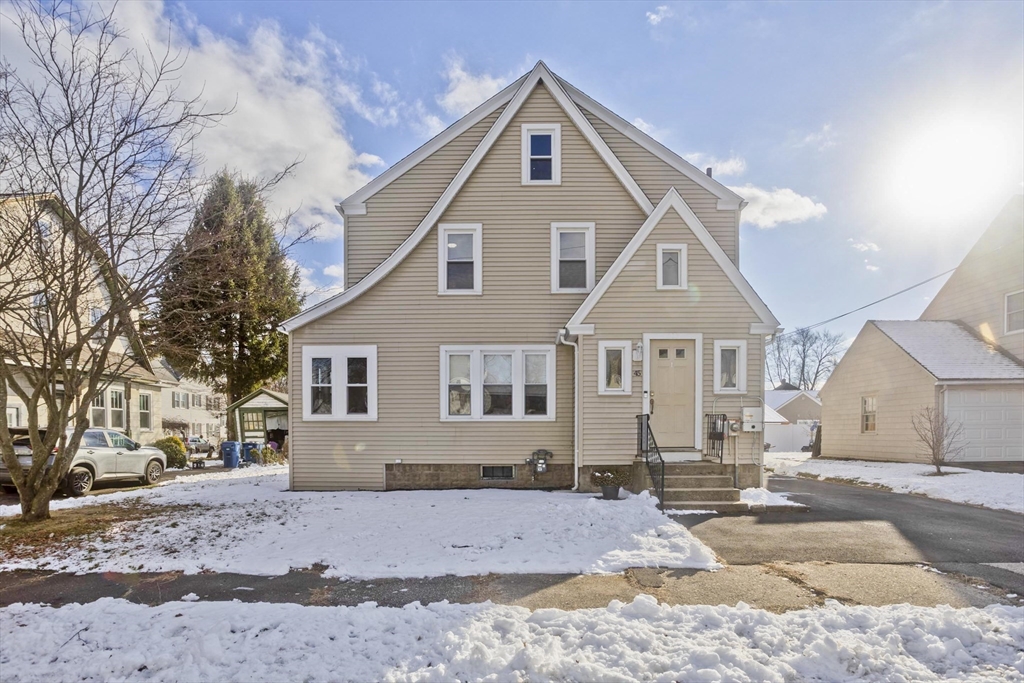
[[700, 486]]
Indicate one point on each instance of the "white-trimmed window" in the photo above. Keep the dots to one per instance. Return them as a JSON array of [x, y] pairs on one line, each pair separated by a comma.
[[1014, 312], [197, 400], [542, 154], [672, 266], [730, 366], [145, 410], [116, 409], [460, 258], [615, 367], [868, 414], [13, 416], [339, 382], [98, 413], [498, 382], [572, 257]]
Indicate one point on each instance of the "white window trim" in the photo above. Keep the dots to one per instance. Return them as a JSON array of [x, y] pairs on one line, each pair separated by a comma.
[[339, 356], [150, 411], [741, 365], [1006, 313], [443, 230], [476, 353], [627, 368], [589, 230], [683, 270], [864, 414], [698, 377], [111, 409], [555, 129]]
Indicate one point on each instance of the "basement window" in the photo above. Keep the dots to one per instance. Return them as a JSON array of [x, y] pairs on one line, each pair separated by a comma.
[[498, 472], [542, 154]]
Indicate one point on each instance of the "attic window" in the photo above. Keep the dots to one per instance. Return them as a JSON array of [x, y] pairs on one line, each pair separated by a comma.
[[672, 266], [542, 154]]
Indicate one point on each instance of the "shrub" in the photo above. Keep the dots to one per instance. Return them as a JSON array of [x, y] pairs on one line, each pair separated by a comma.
[[174, 448], [271, 457], [617, 477]]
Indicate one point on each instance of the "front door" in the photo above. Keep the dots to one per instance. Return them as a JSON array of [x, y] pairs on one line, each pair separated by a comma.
[[671, 402]]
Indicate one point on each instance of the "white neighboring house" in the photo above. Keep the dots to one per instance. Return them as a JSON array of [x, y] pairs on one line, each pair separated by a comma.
[[190, 408]]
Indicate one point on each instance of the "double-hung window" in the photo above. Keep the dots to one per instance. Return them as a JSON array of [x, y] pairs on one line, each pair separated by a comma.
[[98, 416], [498, 382], [542, 153], [1015, 312], [572, 257], [730, 366], [339, 382], [868, 414], [145, 411], [460, 258], [615, 368], [672, 266], [116, 409]]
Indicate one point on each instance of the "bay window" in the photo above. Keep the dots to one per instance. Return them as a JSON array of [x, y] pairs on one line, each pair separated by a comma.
[[498, 382], [339, 383]]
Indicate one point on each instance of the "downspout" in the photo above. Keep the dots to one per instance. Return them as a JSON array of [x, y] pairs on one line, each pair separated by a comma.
[[575, 407]]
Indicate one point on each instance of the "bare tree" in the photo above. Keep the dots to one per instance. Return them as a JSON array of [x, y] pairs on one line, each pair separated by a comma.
[[939, 437], [804, 358], [99, 175]]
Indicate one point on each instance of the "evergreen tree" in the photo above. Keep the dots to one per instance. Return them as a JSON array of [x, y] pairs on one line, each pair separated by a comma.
[[227, 293]]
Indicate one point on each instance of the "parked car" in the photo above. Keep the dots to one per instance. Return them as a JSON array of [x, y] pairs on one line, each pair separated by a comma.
[[103, 455], [197, 444]]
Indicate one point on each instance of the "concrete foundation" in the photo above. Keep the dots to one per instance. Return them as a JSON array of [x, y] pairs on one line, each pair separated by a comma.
[[434, 476]]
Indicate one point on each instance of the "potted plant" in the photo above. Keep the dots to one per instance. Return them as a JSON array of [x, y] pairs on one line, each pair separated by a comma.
[[610, 481]]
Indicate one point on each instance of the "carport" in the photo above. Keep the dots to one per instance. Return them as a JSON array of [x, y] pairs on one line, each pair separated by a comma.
[[261, 417]]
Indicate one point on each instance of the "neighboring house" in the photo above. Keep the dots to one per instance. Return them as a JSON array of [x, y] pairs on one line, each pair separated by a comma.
[[130, 403], [796, 405], [967, 366], [262, 417], [191, 408], [783, 436], [534, 278]]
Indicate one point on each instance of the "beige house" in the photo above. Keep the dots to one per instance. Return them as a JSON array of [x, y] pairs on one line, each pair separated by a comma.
[[190, 408], [796, 405], [533, 279], [963, 357]]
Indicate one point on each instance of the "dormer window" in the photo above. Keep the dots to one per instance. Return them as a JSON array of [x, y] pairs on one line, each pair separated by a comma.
[[542, 154]]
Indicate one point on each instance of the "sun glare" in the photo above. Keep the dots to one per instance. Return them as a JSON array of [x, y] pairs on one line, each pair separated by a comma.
[[949, 167]]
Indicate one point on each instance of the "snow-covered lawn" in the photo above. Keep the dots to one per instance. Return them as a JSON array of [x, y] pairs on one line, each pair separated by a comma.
[[248, 522], [221, 641], [991, 489]]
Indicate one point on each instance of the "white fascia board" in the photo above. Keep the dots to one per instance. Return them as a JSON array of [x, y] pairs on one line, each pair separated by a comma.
[[672, 200], [528, 83], [765, 328], [437, 142], [356, 209], [580, 329], [727, 199]]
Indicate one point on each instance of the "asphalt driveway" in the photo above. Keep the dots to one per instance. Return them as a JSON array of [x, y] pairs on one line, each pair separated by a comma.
[[860, 525]]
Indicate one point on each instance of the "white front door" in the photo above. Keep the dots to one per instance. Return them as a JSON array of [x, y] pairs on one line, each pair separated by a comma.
[[672, 396], [992, 420]]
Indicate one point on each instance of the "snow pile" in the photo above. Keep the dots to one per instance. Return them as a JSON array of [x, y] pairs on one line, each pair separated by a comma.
[[767, 498], [254, 525], [998, 490], [221, 641]]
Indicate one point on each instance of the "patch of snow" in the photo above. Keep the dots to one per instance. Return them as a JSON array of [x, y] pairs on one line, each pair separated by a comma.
[[191, 597], [997, 490], [765, 497], [254, 525], [113, 639]]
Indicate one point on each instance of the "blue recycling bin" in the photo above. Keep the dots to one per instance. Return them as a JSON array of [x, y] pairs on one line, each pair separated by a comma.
[[249, 450], [230, 451]]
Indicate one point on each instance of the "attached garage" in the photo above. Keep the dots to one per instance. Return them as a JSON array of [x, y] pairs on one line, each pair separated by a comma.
[[992, 420]]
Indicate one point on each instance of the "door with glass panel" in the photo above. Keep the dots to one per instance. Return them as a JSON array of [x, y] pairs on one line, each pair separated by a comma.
[[673, 392]]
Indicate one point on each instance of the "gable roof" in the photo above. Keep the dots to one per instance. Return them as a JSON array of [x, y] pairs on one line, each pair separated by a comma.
[[672, 200], [540, 74], [771, 416], [262, 390], [949, 351], [777, 398]]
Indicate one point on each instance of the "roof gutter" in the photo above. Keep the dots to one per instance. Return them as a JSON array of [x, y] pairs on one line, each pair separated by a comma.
[[563, 339]]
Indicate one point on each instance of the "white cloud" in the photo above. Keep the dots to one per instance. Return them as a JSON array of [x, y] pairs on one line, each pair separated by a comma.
[[650, 129], [768, 208], [660, 13], [336, 271], [821, 139], [869, 266], [465, 90], [733, 166], [864, 246], [311, 290]]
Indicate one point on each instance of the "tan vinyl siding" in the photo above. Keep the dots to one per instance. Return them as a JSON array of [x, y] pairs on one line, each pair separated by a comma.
[[875, 366], [655, 177], [408, 321], [633, 306], [394, 212], [802, 407]]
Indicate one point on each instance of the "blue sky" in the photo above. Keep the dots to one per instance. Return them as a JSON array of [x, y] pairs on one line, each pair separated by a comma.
[[876, 140]]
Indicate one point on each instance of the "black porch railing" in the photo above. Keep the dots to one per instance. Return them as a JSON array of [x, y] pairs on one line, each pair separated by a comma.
[[647, 448], [715, 428]]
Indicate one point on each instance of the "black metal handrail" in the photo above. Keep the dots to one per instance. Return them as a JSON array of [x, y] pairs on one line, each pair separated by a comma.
[[647, 448], [717, 424]]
